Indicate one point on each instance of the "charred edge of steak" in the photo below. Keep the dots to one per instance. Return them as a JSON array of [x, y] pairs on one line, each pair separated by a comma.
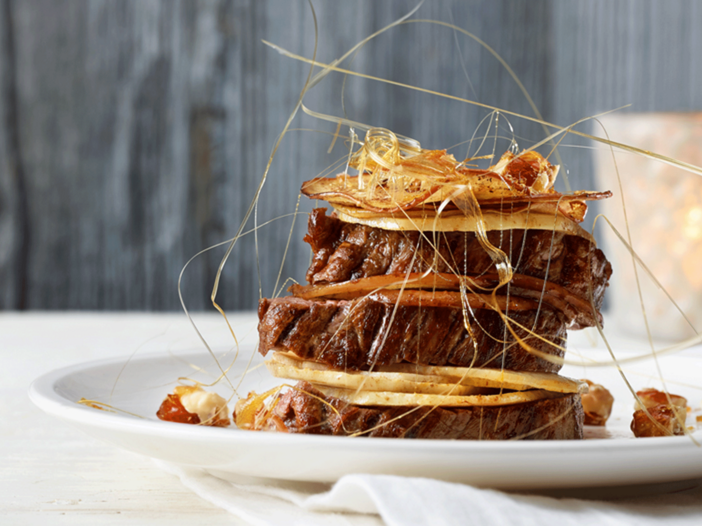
[[359, 334], [346, 251], [302, 411]]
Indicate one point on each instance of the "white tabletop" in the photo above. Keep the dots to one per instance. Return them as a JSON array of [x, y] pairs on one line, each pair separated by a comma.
[[51, 473]]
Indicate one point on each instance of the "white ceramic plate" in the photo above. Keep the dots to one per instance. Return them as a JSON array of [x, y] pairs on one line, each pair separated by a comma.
[[610, 457]]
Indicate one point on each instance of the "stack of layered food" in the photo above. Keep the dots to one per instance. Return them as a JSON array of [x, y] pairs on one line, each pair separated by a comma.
[[438, 302]]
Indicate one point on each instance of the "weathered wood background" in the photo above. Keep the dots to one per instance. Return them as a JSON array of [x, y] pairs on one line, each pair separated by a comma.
[[133, 133]]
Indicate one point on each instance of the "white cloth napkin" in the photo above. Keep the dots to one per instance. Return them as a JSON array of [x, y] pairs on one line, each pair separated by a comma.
[[365, 500]]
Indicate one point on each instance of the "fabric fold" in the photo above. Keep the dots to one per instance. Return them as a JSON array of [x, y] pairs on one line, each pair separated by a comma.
[[372, 500]]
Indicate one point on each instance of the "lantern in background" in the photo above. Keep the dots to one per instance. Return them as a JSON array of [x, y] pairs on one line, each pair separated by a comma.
[[664, 210]]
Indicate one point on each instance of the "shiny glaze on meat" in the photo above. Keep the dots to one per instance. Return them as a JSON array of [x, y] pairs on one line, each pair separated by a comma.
[[359, 334], [345, 251], [301, 410]]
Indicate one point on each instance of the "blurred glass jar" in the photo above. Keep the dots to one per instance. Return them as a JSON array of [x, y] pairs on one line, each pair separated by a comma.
[[664, 210]]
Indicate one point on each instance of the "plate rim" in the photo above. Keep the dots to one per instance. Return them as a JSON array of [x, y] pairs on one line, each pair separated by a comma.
[[43, 393]]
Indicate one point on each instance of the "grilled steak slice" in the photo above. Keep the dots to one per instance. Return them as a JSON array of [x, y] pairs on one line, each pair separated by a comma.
[[363, 333], [302, 410], [345, 251]]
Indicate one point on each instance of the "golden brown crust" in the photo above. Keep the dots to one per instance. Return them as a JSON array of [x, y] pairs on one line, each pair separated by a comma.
[[364, 333], [306, 410]]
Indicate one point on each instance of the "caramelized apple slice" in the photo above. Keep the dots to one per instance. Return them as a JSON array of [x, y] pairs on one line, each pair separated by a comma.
[[193, 405]]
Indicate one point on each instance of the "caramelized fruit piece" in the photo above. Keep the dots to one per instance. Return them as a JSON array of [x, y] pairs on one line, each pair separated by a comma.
[[194, 405], [651, 397], [172, 410], [597, 404], [666, 416]]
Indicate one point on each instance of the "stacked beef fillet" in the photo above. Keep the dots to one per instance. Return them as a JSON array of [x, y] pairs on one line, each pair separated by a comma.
[[556, 274]]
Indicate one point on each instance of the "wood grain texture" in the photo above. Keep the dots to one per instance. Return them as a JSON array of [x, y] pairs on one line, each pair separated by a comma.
[[143, 127], [611, 54], [53, 473], [14, 231]]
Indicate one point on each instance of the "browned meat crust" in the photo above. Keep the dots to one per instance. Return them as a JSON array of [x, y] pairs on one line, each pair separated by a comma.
[[345, 251], [301, 410], [358, 334]]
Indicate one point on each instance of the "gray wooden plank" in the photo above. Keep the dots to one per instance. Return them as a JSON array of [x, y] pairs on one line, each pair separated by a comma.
[[8, 192], [14, 214], [611, 54], [145, 125]]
